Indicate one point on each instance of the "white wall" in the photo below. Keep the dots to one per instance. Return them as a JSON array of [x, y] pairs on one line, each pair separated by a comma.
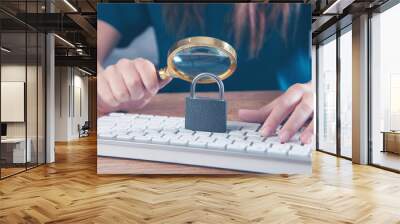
[[327, 96], [62, 81], [33, 126], [12, 73], [80, 103], [70, 83]]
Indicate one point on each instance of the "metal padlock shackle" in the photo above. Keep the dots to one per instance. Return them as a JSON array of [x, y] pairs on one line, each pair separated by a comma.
[[208, 75]]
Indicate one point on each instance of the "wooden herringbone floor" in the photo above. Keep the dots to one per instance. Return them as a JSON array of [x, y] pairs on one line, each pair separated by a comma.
[[69, 191]]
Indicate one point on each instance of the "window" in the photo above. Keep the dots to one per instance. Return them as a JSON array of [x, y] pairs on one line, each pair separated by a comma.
[[334, 106], [385, 89], [346, 92], [22, 75], [327, 96]]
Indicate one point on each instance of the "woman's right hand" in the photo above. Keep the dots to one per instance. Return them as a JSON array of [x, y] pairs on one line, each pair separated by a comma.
[[127, 85]]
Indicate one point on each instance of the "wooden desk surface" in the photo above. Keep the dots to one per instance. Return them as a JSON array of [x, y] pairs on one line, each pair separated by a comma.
[[172, 104]]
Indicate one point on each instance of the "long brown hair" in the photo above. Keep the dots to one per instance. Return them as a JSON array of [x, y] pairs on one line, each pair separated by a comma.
[[248, 18]]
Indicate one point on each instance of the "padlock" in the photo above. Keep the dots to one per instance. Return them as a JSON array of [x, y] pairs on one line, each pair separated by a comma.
[[204, 113]]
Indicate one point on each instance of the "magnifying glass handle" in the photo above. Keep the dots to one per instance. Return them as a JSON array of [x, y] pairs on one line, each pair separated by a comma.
[[163, 74]]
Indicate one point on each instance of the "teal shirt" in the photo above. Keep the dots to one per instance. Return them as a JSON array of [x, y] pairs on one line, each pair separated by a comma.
[[283, 60]]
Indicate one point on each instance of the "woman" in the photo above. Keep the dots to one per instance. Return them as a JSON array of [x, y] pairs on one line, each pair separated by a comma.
[[272, 42]]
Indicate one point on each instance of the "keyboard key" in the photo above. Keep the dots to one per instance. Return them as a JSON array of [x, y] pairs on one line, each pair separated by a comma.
[[255, 138], [107, 135], [154, 135], [278, 149], [300, 153], [154, 127], [125, 137], [203, 133], [227, 141], [138, 128], [273, 139], [150, 132], [206, 139], [253, 133], [180, 125], [126, 126], [183, 130], [284, 147], [168, 132], [103, 130], [237, 136], [170, 129], [160, 140], [180, 142], [136, 133], [295, 138], [188, 138], [220, 135], [257, 148], [237, 146], [237, 133]]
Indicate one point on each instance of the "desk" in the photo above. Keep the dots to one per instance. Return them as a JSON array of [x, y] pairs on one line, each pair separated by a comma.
[[172, 104], [391, 141], [18, 150]]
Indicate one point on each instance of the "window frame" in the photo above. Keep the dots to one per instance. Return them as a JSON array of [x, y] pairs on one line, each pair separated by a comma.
[[333, 37]]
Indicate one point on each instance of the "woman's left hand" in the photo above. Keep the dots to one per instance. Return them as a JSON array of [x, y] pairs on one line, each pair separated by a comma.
[[296, 106]]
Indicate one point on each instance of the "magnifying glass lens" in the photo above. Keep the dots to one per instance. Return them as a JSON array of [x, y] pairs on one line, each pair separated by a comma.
[[201, 59], [192, 56]]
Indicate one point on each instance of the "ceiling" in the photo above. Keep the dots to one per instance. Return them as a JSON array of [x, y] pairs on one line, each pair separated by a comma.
[[72, 20]]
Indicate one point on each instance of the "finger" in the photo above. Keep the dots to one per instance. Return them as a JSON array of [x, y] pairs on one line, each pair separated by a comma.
[[105, 98], [164, 82], [256, 116], [282, 108], [136, 104], [131, 78], [277, 115], [143, 102], [251, 115], [298, 118], [117, 84], [307, 135], [148, 75]]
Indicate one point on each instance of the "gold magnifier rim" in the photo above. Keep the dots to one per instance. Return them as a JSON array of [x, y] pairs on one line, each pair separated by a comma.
[[201, 41]]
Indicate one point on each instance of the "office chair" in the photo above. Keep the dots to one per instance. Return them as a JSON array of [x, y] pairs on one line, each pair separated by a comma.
[[84, 130]]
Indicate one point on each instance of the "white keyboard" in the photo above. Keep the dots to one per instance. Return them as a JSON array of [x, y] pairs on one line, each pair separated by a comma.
[[164, 139]]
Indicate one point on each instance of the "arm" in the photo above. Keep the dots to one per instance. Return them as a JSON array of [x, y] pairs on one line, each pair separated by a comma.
[[128, 83], [107, 38], [118, 24], [296, 105]]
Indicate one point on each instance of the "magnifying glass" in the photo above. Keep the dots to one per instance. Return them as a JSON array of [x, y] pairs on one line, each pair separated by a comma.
[[194, 55]]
